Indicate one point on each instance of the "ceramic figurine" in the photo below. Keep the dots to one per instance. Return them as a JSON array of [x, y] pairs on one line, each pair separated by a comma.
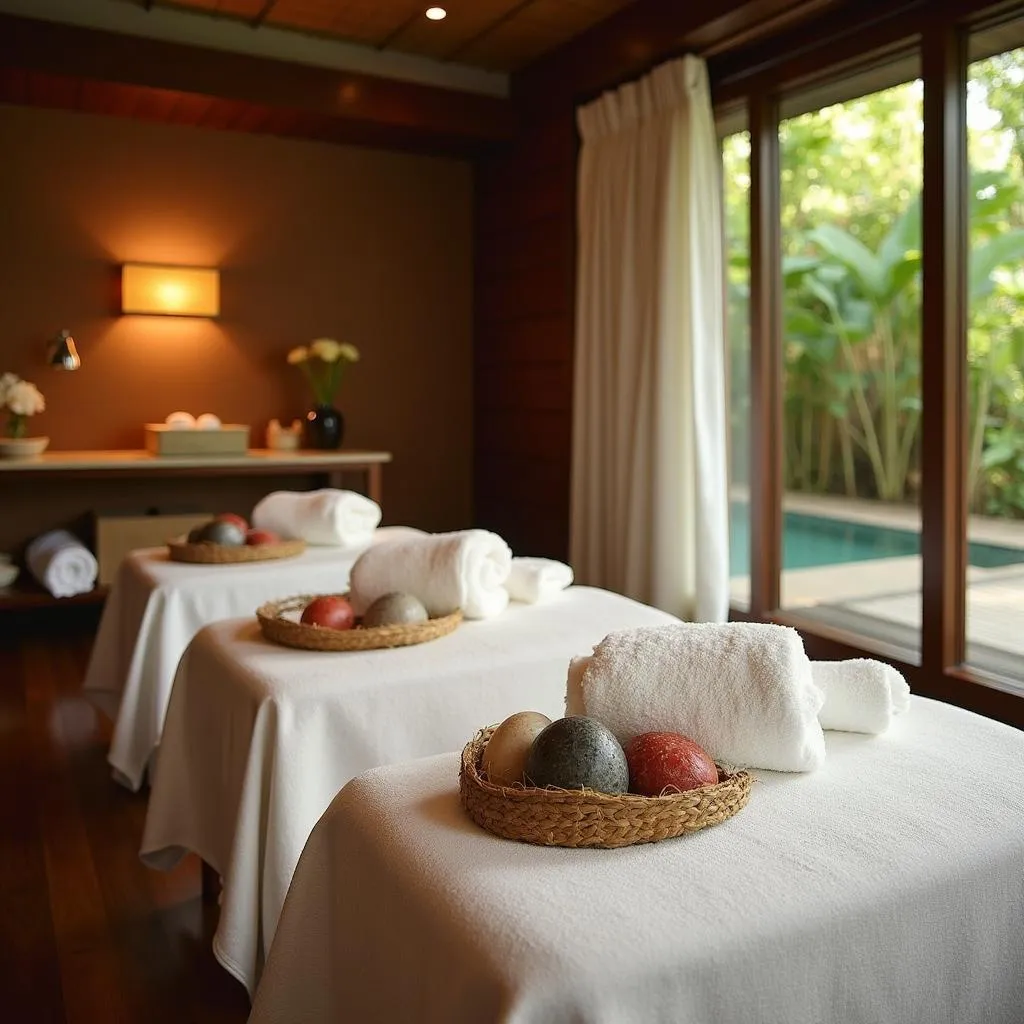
[[284, 438]]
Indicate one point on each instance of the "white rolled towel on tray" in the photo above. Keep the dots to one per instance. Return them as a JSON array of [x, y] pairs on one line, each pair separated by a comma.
[[446, 571], [328, 517], [536, 579], [742, 690], [62, 563], [861, 695]]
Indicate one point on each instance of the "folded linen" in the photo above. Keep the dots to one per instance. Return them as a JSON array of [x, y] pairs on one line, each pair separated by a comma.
[[327, 517], [62, 563], [742, 690], [861, 695], [466, 569], [534, 579]]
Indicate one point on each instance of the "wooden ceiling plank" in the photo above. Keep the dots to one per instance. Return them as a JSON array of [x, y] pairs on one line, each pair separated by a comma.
[[264, 13], [397, 31], [515, 10]]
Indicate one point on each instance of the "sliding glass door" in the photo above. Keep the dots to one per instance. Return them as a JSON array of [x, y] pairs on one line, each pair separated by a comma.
[[995, 353], [876, 304], [850, 215]]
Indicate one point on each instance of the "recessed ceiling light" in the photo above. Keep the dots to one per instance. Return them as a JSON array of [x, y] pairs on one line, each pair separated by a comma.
[[436, 13]]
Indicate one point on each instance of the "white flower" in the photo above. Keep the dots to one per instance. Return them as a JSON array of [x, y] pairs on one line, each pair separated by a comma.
[[7, 381], [299, 354], [25, 399], [326, 349], [349, 352]]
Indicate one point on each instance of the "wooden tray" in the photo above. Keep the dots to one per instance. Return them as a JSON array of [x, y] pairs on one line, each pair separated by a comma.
[[224, 554], [290, 633], [582, 818]]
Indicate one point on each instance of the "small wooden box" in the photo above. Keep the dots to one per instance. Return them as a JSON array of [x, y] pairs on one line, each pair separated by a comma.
[[116, 536], [230, 439]]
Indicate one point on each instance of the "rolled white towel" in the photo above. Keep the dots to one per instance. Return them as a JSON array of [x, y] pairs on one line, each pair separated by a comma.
[[742, 690], [467, 569], [328, 517], [62, 563], [861, 695], [534, 579]]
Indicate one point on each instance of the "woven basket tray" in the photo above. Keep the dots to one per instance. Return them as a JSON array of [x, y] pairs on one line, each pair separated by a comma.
[[579, 818], [224, 554], [286, 631]]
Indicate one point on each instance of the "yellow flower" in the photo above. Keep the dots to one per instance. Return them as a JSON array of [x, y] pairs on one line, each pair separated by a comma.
[[349, 352], [299, 354], [326, 349]]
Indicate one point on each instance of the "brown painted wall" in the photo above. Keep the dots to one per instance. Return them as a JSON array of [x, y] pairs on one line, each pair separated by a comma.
[[311, 239]]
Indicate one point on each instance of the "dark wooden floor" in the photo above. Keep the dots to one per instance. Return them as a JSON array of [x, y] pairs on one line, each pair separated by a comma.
[[87, 933]]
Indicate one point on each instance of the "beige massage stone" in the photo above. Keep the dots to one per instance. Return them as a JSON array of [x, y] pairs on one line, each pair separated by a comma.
[[509, 746]]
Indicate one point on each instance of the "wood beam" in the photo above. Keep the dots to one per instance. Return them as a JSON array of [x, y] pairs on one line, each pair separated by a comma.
[[766, 440], [943, 348], [421, 114], [642, 35]]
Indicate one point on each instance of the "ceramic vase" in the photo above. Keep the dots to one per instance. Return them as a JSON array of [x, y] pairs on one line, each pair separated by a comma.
[[325, 428]]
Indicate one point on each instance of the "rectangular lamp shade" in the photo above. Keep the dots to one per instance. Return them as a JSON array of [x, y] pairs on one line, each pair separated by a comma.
[[169, 291]]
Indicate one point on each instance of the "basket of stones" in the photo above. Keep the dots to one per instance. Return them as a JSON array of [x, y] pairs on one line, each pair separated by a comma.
[[570, 783], [227, 540], [327, 622]]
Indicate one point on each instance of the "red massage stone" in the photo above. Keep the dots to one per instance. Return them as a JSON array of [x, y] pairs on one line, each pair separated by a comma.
[[667, 760]]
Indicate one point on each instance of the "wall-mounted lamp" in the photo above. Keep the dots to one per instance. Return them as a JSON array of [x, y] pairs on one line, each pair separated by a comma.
[[62, 354], [169, 291]]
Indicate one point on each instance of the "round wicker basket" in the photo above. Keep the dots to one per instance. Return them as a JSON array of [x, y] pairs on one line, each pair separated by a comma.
[[224, 554], [290, 633], [582, 818]]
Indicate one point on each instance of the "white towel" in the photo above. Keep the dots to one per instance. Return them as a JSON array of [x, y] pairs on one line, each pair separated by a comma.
[[861, 695], [534, 579], [742, 690], [62, 563], [328, 517], [446, 571]]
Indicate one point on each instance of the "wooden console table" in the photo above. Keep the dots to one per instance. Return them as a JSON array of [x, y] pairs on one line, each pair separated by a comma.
[[128, 464]]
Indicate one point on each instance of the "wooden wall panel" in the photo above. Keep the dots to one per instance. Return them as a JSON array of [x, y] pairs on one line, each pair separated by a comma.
[[524, 300]]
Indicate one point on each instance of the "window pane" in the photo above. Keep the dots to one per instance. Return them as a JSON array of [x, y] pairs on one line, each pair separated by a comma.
[[736, 169], [995, 363], [851, 236]]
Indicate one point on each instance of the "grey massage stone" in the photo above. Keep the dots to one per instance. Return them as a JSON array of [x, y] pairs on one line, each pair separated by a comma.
[[577, 753], [395, 610], [220, 532]]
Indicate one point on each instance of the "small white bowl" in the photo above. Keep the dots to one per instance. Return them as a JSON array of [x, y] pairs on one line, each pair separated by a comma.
[[8, 574]]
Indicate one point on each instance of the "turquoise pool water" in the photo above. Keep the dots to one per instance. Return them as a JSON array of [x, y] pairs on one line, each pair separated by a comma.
[[809, 541]]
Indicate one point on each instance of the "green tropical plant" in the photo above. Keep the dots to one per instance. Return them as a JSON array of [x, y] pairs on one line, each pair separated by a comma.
[[850, 179]]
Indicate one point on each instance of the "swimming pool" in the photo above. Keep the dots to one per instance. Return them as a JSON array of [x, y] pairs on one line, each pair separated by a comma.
[[810, 541]]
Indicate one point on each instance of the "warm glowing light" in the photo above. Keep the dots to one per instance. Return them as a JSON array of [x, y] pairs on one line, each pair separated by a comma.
[[436, 13], [169, 291]]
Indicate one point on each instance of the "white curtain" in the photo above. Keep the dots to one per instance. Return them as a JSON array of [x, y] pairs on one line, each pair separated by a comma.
[[649, 480]]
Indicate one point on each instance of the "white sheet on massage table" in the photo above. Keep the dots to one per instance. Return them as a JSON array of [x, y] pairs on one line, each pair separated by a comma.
[[154, 609], [887, 887], [259, 738]]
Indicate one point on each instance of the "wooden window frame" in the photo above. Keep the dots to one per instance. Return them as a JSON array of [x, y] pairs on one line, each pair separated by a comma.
[[939, 34]]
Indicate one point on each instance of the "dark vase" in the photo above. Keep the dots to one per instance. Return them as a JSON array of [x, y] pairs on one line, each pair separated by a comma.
[[325, 427]]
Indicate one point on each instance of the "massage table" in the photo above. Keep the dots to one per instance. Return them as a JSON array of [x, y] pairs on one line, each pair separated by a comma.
[[154, 609], [259, 738], [885, 887]]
